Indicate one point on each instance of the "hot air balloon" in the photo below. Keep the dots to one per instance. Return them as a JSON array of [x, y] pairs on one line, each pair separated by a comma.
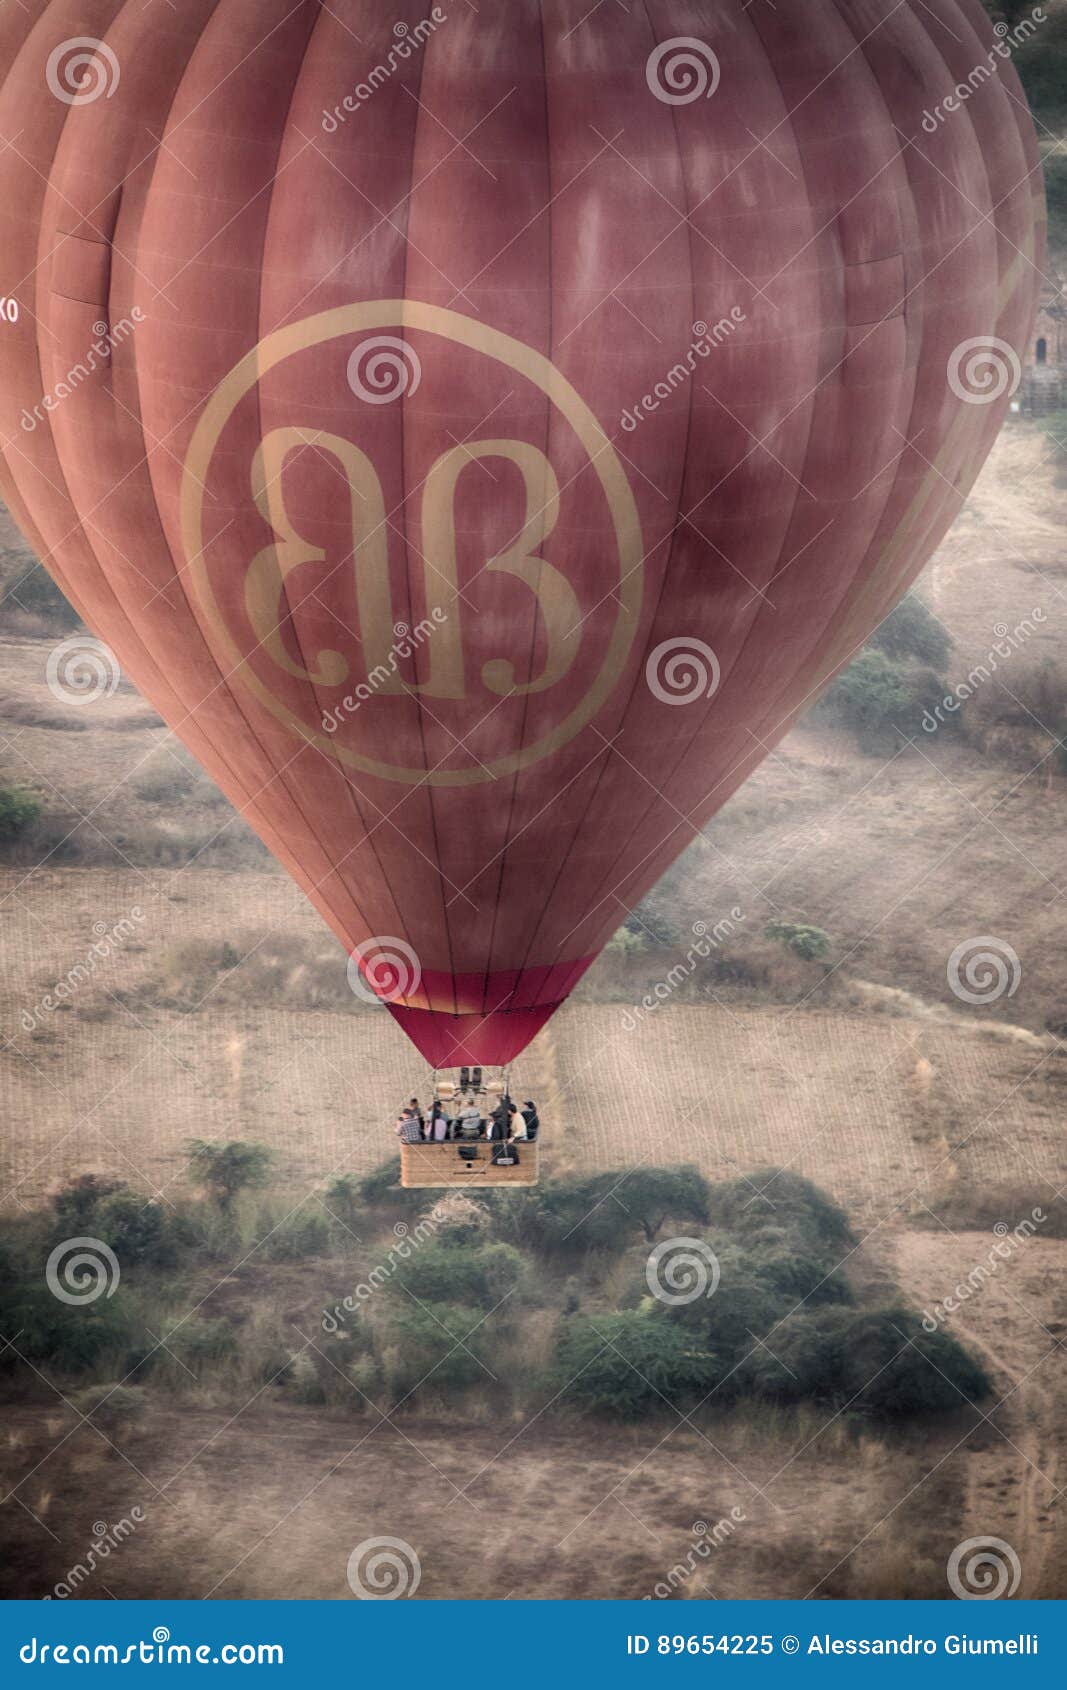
[[482, 432]]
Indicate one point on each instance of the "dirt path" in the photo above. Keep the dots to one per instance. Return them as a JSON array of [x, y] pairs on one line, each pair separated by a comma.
[[1012, 1485]]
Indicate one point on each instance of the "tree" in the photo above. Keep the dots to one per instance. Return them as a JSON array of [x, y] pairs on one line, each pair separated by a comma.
[[651, 926], [76, 1204], [381, 1189], [878, 1361], [912, 631], [342, 1201], [782, 1207], [626, 1364], [653, 1194], [871, 696], [1009, 11], [228, 1169]]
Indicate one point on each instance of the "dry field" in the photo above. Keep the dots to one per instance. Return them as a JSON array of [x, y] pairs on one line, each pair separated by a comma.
[[928, 1119]]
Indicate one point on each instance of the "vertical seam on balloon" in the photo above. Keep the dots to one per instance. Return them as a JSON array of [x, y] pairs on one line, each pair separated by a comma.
[[772, 714], [15, 494], [607, 756], [350, 790], [699, 728], [920, 317], [42, 278], [223, 684], [517, 776], [782, 725], [40, 283], [425, 786], [743, 757], [104, 574], [240, 781]]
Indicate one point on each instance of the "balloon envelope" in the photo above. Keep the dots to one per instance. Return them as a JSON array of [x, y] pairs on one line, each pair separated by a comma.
[[481, 434]]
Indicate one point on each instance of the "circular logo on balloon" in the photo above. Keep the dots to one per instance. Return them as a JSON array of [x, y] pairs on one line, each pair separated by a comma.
[[412, 542]]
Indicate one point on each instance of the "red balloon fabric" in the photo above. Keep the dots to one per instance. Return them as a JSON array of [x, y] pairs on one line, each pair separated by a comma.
[[481, 432]]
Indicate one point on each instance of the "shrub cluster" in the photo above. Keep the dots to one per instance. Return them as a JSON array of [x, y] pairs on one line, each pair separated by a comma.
[[893, 681], [542, 1299]]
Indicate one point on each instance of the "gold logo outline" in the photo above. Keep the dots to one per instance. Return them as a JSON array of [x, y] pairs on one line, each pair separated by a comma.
[[516, 355]]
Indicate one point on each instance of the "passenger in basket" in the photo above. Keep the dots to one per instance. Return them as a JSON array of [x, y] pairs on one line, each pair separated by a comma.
[[470, 1121], [438, 1127], [408, 1129]]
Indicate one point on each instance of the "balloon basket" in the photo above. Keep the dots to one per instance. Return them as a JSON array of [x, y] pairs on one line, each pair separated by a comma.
[[454, 1166]]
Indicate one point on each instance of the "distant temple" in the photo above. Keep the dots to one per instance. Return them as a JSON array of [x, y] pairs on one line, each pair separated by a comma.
[[1044, 385]]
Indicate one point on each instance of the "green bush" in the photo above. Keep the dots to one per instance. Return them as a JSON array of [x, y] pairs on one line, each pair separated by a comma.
[[78, 1203], [227, 1169], [913, 632], [439, 1349], [200, 1345], [871, 696], [881, 1362], [651, 926], [744, 1305], [801, 1275], [778, 1201], [18, 811], [476, 1277], [808, 943], [296, 1237], [136, 1230], [344, 1201], [65, 1337], [600, 1212], [630, 1363]]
